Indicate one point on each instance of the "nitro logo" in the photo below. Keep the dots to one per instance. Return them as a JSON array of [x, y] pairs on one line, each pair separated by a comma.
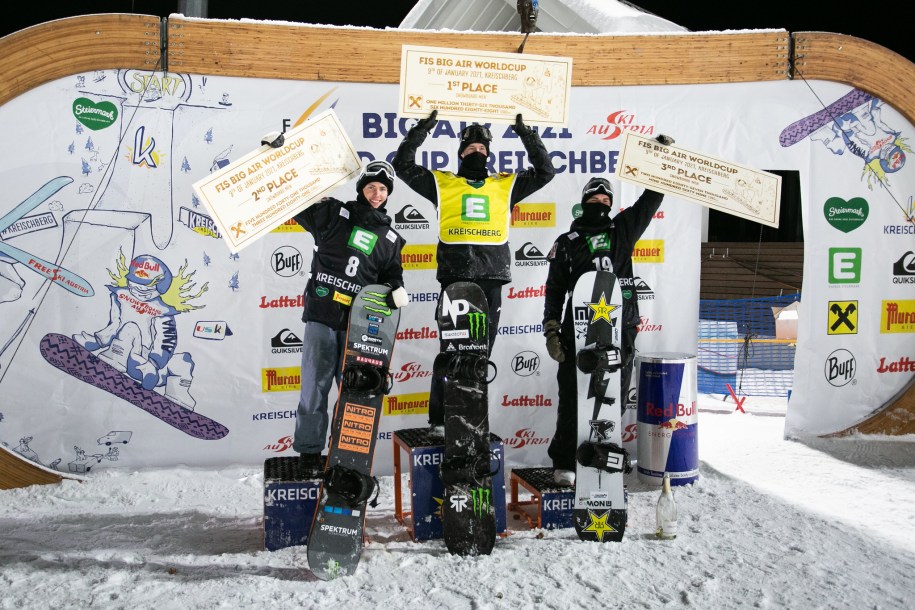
[[527, 293], [411, 370], [280, 446], [529, 255], [525, 437], [285, 342], [286, 261], [903, 365], [526, 364], [897, 316], [616, 123], [840, 368], [410, 218], [904, 269], [461, 307]]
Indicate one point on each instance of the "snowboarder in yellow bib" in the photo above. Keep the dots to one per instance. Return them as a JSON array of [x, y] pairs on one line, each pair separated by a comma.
[[474, 209]]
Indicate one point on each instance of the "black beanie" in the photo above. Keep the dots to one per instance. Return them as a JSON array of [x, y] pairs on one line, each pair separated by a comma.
[[597, 185], [376, 171], [474, 134]]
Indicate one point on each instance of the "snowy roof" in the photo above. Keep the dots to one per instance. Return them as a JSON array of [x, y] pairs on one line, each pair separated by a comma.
[[555, 16]]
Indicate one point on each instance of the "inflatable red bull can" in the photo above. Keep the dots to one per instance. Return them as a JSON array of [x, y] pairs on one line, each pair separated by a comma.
[[667, 418]]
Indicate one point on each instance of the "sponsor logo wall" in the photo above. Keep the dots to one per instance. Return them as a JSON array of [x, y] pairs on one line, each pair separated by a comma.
[[242, 341]]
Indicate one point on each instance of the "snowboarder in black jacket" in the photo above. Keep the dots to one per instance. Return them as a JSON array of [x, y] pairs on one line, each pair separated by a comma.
[[474, 210], [354, 246], [596, 241]]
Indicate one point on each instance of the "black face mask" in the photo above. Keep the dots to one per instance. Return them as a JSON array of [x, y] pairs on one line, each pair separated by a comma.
[[475, 162], [595, 211]]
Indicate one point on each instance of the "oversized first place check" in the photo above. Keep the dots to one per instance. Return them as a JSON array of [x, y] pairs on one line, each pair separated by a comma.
[[260, 191], [720, 185], [484, 85]]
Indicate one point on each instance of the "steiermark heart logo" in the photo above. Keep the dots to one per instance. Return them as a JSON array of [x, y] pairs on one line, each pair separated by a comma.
[[845, 216], [93, 115]]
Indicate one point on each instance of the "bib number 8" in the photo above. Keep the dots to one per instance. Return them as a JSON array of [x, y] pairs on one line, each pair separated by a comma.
[[352, 267]]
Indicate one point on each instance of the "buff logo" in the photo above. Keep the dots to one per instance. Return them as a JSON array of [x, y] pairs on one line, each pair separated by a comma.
[[482, 501], [478, 325]]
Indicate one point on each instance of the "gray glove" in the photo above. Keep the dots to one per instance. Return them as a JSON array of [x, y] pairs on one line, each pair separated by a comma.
[[274, 139], [554, 340], [522, 130], [665, 140], [425, 125]]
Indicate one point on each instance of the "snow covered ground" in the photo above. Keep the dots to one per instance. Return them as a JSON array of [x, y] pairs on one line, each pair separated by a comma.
[[770, 523]]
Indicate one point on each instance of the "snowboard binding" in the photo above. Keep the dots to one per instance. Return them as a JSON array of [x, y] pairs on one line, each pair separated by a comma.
[[354, 487], [366, 378], [592, 359], [472, 367], [477, 468], [608, 457]]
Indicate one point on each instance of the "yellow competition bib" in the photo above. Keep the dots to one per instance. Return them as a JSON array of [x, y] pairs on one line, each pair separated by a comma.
[[469, 215]]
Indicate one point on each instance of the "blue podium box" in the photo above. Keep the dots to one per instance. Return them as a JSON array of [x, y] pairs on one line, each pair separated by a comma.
[[423, 519], [290, 501], [552, 504]]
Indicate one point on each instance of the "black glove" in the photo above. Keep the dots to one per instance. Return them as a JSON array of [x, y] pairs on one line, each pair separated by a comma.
[[274, 139], [521, 129], [665, 140], [554, 340], [425, 125]]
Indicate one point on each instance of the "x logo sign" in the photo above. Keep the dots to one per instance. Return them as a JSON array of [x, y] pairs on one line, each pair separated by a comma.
[[238, 230], [416, 100], [632, 171], [842, 316]]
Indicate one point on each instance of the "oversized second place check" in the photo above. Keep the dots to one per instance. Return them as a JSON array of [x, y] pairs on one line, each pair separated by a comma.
[[720, 185], [260, 191], [484, 85]]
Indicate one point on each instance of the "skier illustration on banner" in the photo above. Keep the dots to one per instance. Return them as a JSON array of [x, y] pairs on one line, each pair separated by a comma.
[[854, 123], [141, 336]]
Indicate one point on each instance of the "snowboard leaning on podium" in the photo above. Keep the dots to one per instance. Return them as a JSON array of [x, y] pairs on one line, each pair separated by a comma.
[[599, 510], [336, 536], [468, 514]]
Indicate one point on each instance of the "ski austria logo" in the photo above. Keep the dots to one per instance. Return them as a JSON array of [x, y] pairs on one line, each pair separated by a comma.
[[846, 216], [525, 437], [410, 218], [280, 445], [840, 368], [529, 255], [526, 363], [286, 261], [616, 123], [411, 370]]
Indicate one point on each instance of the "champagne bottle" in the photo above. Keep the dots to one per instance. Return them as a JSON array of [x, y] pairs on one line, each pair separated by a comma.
[[666, 512]]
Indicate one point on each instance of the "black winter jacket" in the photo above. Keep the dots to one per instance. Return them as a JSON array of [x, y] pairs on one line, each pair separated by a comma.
[[572, 256], [354, 246]]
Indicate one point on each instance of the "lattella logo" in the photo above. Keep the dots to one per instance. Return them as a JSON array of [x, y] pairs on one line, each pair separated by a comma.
[[845, 216], [840, 368], [526, 364]]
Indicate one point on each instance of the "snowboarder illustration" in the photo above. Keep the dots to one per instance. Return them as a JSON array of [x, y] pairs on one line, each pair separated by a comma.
[[141, 336]]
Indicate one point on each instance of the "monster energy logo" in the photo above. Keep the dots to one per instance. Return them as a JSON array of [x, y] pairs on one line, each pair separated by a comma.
[[378, 299], [477, 325], [482, 501], [333, 568]]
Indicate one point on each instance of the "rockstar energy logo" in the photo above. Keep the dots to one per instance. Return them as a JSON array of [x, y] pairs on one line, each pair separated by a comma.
[[482, 501], [478, 325], [648, 251]]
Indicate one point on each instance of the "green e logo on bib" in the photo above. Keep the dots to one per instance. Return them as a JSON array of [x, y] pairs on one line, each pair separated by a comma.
[[474, 215]]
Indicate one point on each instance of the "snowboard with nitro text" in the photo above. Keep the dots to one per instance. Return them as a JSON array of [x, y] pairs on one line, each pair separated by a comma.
[[336, 536], [599, 509], [468, 514]]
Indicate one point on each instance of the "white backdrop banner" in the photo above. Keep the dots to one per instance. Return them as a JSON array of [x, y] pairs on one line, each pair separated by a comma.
[[121, 150]]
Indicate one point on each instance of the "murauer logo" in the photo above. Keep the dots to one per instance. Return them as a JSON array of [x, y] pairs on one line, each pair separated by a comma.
[[840, 368], [897, 316], [410, 218]]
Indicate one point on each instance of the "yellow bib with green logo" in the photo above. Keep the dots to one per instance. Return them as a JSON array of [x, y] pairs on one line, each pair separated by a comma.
[[469, 215]]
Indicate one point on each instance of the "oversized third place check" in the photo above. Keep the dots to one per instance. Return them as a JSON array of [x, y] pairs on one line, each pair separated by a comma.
[[260, 191], [717, 184]]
